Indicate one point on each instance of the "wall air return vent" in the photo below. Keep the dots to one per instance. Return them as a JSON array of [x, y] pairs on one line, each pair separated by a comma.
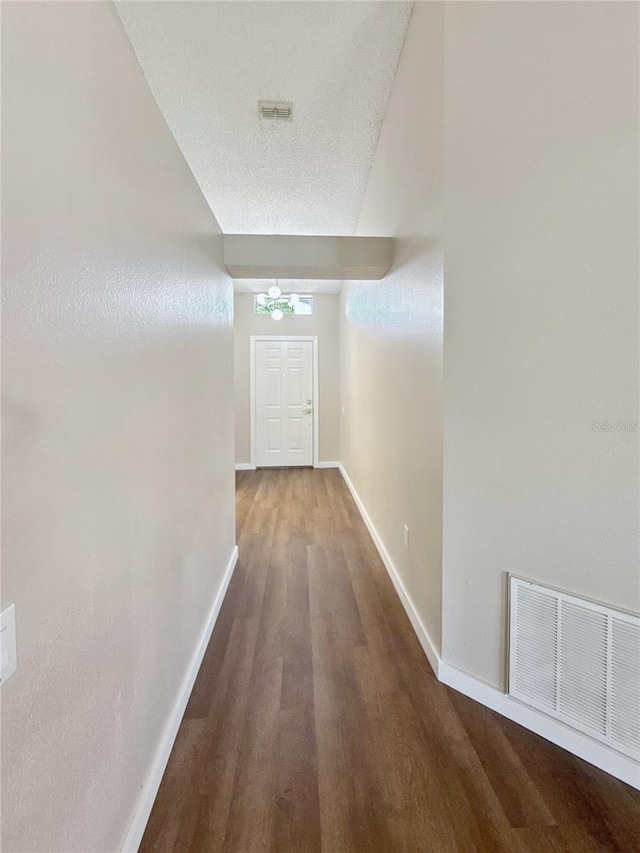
[[577, 661], [276, 110]]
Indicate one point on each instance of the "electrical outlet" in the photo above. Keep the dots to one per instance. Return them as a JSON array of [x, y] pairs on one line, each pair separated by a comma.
[[8, 642], [405, 533]]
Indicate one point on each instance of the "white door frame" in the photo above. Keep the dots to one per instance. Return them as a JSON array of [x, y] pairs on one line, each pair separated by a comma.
[[252, 391]]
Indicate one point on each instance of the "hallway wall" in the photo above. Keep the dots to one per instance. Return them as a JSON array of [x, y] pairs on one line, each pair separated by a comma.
[[391, 340], [541, 312], [325, 323], [118, 484]]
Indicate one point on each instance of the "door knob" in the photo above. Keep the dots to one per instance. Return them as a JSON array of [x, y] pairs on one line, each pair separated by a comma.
[[307, 411]]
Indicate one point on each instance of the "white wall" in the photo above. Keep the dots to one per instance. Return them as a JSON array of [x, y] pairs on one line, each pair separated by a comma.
[[541, 312], [392, 329], [325, 323], [118, 425]]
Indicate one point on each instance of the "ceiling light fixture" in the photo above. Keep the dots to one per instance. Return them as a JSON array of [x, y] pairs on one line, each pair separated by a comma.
[[275, 303]]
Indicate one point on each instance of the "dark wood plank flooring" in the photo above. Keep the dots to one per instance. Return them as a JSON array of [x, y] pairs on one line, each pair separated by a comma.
[[316, 723]]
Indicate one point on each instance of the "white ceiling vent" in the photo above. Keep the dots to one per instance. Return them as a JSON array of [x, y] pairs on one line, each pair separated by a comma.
[[276, 110]]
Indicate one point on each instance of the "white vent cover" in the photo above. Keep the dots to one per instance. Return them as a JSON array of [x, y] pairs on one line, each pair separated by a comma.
[[577, 661], [276, 110]]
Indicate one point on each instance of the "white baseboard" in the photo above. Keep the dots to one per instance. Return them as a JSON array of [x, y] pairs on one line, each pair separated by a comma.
[[405, 598], [247, 466], [579, 744], [152, 783], [575, 742]]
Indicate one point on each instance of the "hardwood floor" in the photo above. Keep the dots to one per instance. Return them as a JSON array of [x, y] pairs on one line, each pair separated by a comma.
[[316, 723]]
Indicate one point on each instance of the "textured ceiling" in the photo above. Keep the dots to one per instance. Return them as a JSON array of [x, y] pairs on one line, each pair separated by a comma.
[[208, 65]]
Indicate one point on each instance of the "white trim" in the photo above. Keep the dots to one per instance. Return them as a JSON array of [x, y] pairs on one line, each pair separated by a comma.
[[573, 741], [152, 783], [245, 466], [327, 465], [407, 602], [252, 387], [585, 747]]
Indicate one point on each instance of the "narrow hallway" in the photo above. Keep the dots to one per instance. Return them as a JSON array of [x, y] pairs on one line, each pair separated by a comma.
[[316, 723]]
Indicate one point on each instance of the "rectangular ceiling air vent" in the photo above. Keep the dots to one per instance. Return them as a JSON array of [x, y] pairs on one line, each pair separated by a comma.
[[577, 661], [276, 110]]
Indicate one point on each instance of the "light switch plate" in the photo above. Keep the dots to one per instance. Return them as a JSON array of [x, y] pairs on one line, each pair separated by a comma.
[[8, 656]]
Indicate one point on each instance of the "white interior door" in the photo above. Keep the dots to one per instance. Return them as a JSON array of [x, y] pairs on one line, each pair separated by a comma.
[[284, 402]]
